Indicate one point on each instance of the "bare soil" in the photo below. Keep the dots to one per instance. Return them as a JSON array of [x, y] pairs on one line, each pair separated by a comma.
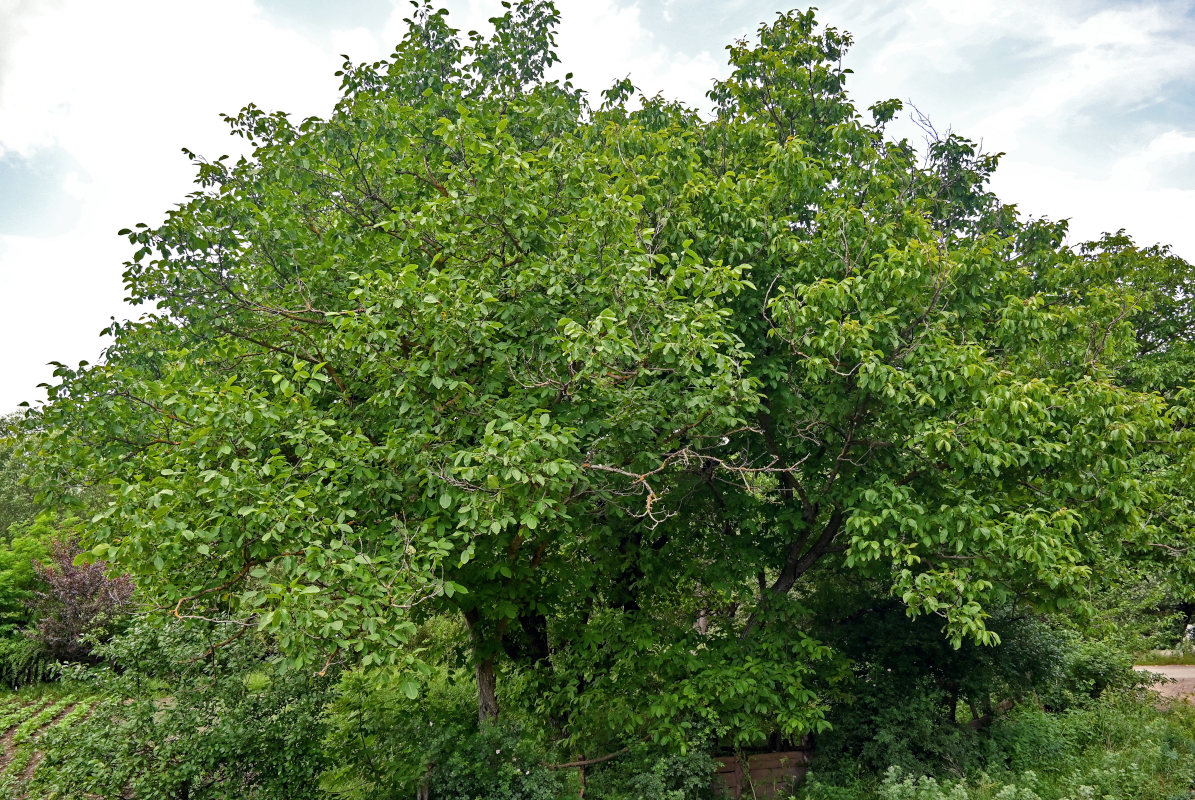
[[7, 748], [1180, 683]]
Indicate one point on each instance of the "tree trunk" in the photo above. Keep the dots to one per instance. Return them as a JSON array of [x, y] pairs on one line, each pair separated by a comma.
[[487, 691], [483, 659]]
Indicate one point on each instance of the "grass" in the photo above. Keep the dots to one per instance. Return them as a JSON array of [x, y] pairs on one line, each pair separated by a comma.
[[1165, 658]]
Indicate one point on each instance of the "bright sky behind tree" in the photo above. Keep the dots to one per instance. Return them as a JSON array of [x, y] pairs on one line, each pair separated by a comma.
[[1093, 102]]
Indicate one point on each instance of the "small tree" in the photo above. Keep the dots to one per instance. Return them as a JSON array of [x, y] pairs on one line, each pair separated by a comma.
[[75, 601]]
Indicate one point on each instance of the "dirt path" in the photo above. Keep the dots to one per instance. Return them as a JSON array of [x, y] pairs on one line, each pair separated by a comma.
[[1182, 683]]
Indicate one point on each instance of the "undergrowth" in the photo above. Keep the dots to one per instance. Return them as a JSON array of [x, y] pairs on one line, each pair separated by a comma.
[[1120, 747], [1165, 658]]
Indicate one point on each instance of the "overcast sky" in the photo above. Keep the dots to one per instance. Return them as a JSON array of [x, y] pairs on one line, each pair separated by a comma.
[[1093, 102]]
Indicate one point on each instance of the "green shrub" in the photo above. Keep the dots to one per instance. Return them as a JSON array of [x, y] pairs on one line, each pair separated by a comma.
[[651, 776], [26, 544], [174, 723], [917, 703], [900, 786], [383, 741], [42, 593], [1088, 668], [1120, 747], [24, 661], [387, 740], [501, 761]]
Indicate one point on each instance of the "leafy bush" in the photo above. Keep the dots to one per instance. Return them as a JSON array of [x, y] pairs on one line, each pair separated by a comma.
[[388, 739], [502, 761], [1087, 669], [1119, 746], [24, 661], [25, 545], [917, 703], [17, 501], [911, 692], [75, 601], [900, 786], [50, 608], [651, 776], [913, 733], [177, 722], [383, 741]]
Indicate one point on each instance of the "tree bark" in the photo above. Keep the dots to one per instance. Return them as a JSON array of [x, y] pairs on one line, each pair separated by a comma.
[[483, 660], [797, 564], [487, 691]]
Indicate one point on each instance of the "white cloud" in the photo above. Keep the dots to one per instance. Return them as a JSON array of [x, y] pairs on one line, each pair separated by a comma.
[[1075, 95], [1095, 204], [119, 87], [602, 41]]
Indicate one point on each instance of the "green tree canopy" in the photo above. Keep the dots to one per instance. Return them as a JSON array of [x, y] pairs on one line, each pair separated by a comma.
[[614, 383], [17, 501]]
